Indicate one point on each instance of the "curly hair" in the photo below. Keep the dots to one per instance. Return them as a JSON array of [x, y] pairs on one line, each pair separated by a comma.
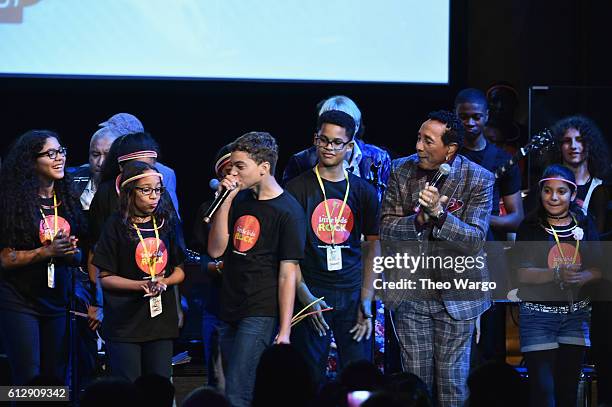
[[164, 209], [454, 127], [598, 154], [19, 193], [260, 146]]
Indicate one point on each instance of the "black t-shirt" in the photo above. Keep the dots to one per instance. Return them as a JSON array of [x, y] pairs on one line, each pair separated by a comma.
[[25, 289], [104, 203], [544, 253], [361, 216], [119, 251], [492, 157], [262, 234]]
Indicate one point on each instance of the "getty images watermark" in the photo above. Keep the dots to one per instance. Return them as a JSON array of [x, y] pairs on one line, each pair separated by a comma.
[[417, 265]]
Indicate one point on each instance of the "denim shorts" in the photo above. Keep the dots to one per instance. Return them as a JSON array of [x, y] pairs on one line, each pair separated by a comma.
[[544, 330]]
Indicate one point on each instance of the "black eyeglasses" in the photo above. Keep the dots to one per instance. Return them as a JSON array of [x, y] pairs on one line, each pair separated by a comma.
[[147, 191], [336, 144], [52, 152]]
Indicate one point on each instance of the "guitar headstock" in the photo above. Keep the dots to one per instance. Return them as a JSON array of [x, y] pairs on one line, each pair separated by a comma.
[[542, 140]]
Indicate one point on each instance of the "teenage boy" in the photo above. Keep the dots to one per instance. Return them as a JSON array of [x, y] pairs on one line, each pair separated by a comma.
[[340, 207], [261, 239]]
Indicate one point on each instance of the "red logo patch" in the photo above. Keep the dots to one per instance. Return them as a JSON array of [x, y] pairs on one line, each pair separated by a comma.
[[246, 233], [46, 228], [157, 257], [342, 227], [555, 258]]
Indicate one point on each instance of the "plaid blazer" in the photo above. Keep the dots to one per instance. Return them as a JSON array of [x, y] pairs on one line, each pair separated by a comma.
[[470, 191]]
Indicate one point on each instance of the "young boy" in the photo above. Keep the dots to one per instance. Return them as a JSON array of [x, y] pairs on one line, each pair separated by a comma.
[[261, 238], [341, 208]]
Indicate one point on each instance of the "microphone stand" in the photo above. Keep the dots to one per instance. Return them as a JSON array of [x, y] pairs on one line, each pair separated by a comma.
[[74, 380]]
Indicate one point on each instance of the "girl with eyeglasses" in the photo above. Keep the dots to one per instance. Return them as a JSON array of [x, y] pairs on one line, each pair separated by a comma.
[[561, 258], [40, 217], [139, 258]]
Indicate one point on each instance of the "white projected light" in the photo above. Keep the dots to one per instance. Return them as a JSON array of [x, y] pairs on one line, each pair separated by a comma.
[[329, 40]]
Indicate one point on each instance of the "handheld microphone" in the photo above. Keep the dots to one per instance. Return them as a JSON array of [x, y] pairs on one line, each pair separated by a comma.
[[443, 171], [216, 204], [213, 184]]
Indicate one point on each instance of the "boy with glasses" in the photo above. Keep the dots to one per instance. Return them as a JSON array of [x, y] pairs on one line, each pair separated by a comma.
[[340, 207]]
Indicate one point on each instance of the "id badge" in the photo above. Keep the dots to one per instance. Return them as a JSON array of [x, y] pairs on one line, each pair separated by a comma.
[[155, 305], [51, 275], [334, 258]]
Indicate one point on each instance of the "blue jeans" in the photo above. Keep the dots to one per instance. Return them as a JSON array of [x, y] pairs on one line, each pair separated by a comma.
[[544, 331], [34, 345], [341, 319], [242, 343]]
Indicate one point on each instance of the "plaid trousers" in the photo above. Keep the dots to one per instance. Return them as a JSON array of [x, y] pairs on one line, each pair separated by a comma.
[[436, 348]]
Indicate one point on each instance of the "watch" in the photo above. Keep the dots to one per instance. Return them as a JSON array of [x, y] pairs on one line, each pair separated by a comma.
[[438, 214]]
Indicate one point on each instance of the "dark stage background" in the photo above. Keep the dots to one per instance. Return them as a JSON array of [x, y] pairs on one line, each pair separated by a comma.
[[524, 42]]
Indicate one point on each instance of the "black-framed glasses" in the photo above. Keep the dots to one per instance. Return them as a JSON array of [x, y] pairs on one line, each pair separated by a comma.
[[147, 191], [52, 152], [335, 144]]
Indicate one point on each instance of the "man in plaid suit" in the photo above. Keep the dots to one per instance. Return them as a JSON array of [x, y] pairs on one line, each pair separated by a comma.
[[435, 331]]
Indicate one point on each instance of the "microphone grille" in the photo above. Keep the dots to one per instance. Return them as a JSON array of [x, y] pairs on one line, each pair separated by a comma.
[[445, 169], [214, 183]]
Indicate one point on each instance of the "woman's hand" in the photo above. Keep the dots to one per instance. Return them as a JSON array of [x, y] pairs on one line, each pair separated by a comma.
[[62, 246]]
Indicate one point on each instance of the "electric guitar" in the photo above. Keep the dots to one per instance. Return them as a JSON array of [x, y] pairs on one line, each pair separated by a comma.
[[539, 142]]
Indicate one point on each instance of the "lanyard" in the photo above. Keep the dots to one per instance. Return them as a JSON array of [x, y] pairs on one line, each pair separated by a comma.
[[47, 227], [559, 243], [346, 194], [152, 261]]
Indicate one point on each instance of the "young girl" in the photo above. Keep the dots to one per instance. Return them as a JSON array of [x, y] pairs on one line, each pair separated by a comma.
[[40, 218], [554, 315], [139, 258]]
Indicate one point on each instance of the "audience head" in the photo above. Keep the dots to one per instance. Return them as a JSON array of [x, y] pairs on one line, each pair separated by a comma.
[[110, 392], [410, 388], [361, 375], [496, 384], [205, 396], [155, 390], [283, 378]]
